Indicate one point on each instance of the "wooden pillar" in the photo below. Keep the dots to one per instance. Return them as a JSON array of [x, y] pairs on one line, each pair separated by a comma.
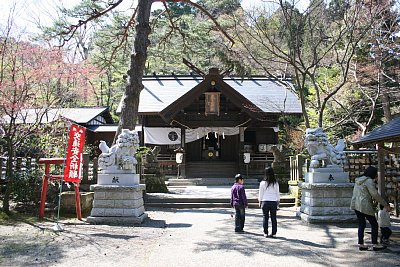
[[183, 165], [141, 139], [241, 147], [381, 170]]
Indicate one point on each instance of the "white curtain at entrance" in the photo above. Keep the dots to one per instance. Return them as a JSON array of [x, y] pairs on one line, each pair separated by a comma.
[[162, 136], [195, 134], [172, 136]]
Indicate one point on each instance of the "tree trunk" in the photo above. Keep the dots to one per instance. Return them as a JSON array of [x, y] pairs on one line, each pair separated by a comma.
[[386, 107], [134, 86], [381, 88]]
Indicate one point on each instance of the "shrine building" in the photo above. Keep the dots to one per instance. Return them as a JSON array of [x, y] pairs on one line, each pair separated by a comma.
[[214, 120]]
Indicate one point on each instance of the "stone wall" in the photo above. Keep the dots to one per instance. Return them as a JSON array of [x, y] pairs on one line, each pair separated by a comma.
[[68, 201], [117, 204]]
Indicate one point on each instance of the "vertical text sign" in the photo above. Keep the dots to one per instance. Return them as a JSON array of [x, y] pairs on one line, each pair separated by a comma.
[[73, 163]]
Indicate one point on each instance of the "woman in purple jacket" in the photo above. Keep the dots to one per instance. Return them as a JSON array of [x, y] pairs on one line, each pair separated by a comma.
[[239, 202]]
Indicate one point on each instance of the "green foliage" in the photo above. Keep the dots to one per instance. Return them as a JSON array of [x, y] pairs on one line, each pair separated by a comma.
[[155, 183], [141, 152], [26, 186], [192, 36], [219, 7], [291, 134]]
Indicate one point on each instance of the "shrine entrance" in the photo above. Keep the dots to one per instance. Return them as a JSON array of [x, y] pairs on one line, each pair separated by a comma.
[[213, 147]]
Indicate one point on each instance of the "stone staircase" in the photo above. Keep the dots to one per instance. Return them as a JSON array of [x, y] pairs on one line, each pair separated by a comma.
[[213, 169], [249, 183], [202, 202]]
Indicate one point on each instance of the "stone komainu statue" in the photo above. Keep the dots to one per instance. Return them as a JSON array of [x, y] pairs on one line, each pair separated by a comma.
[[319, 148], [120, 156], [278, 155], [151, 156]]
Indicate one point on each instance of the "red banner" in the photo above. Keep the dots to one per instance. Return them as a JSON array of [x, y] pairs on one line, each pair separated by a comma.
[[73, 163]]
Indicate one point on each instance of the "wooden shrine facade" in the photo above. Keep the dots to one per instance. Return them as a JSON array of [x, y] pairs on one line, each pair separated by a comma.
[[215, 120]]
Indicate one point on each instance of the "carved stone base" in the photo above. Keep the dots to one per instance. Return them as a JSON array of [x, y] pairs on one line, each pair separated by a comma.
[[121, 178], [326, 202], [117, 204], [333, 174]]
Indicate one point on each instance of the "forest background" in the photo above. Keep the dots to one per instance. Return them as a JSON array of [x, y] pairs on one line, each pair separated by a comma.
[[341, 56]]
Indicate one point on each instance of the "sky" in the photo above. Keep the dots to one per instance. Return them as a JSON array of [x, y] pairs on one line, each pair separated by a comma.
[[29, 13]]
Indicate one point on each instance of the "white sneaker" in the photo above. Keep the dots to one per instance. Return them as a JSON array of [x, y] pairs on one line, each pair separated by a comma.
[[265, 235]]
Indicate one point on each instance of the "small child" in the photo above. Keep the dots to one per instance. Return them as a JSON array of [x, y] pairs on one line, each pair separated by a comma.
[[239, 202], [384, 224]]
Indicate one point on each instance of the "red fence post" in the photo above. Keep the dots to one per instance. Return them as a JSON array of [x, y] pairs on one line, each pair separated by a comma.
[[45, 184]]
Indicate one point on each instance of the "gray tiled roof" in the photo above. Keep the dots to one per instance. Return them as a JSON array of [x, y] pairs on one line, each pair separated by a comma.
[[109, 128], [78, 115], [268, 95], [387, 131]]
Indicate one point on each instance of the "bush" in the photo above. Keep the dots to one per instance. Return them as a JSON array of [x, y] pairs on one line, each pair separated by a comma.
[[26, 187]]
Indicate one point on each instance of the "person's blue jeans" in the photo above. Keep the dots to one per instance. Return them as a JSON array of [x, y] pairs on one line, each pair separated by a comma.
[[239, 218], [362, 217], [269, 208]]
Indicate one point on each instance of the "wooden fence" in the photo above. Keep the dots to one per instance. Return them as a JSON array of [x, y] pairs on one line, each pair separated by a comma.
[[89, 171], [357, 162]]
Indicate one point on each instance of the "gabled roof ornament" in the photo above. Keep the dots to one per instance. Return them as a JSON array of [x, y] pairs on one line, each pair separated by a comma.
[[193, 67]]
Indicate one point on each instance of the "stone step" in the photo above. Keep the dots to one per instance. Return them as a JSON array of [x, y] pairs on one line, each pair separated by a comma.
[[187, 202], [286, 199], [205, 205], [213, 169], [209, 181]]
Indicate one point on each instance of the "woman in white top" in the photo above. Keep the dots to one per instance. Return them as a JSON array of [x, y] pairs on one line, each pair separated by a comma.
[[269, 200]]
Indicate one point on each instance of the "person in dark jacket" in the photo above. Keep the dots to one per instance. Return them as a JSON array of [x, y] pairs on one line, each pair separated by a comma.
[[239, 202]]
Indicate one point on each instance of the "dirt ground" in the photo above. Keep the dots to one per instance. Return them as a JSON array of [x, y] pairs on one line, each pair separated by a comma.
[[33, 242], [188, 238]]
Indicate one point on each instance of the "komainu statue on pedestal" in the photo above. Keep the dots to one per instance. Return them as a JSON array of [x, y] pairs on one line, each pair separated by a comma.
[[319, 148], [120, 156]]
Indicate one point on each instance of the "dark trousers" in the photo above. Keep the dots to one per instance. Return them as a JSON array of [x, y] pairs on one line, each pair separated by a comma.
[[385, 233], [269, 207], [362, 224], [239, 218]]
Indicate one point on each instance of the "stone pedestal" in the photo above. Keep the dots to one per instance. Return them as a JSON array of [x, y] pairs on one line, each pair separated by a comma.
[[117, 204], [120, 177], [326, 202], [330, 174]]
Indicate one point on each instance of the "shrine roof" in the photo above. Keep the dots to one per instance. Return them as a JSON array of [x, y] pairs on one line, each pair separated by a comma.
[[268, 95], [84, 115], [388, 132]]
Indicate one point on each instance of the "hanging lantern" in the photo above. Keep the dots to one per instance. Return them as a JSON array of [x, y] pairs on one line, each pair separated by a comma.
[[246, 158], [179, 157]]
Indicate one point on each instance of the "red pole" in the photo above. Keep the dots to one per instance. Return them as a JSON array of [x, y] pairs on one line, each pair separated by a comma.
[[45, 184], [78, 202]]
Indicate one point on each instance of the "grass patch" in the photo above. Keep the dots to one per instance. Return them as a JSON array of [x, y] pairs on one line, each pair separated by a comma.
[[14, 218], [3, 217]]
